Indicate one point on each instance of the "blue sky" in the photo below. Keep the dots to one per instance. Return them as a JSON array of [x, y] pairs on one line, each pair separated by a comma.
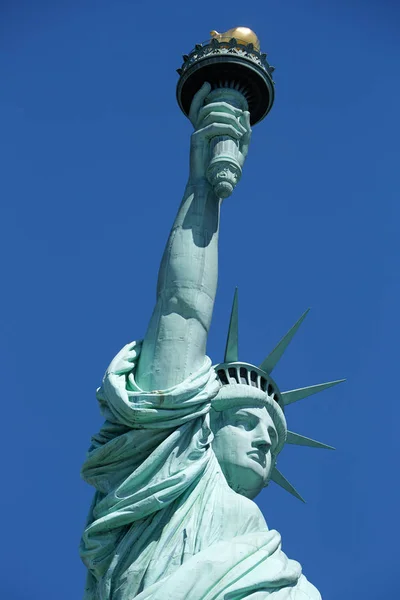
[[94, 159]]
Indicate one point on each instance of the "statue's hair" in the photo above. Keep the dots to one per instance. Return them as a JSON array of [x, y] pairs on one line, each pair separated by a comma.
[[216, 419]]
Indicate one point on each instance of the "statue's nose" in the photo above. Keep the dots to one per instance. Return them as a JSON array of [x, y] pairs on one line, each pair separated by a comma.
[[262, 439]]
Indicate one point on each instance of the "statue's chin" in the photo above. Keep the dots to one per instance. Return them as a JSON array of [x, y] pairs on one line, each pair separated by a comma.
[[246, 482]]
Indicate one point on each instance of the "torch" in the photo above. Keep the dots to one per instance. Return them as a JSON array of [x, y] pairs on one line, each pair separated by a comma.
[[239, 74]]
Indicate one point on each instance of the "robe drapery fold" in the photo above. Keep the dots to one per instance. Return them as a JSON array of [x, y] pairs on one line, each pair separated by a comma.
[[164, 524]]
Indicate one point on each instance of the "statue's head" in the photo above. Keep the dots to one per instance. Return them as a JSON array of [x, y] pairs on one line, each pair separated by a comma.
[[249, 428], [247, 417]]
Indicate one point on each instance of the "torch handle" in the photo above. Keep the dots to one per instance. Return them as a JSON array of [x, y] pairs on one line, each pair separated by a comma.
[[224, 170]]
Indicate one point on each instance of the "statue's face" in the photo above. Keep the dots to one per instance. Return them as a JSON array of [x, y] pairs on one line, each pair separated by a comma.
[[245, 440]]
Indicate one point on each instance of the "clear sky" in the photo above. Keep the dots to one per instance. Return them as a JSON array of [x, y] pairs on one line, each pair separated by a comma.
[[94, 159]]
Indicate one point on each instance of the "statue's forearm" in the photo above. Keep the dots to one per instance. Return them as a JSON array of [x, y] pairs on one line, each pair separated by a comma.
[[175, 342]]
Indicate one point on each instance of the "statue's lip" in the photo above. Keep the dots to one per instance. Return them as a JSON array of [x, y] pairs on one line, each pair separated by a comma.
[[257, 455]]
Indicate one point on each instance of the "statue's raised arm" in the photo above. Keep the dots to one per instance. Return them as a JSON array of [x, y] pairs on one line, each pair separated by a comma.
[[175, 342]]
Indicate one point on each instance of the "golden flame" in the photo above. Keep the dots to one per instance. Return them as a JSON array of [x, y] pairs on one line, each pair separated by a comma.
[[241, 34]]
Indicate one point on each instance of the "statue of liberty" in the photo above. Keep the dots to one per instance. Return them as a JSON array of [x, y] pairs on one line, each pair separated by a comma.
[[187, 446]]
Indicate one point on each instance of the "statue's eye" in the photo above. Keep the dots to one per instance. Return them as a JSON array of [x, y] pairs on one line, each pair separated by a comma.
[[243, 422]]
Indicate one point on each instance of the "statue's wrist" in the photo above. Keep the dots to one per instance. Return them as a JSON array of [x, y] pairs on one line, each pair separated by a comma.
[[199, 182], [202, 189]]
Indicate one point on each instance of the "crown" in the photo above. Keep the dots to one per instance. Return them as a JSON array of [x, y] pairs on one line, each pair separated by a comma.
[[237, 372], [260, 384]]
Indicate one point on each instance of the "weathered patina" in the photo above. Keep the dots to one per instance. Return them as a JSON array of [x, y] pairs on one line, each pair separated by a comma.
[[186, 446]]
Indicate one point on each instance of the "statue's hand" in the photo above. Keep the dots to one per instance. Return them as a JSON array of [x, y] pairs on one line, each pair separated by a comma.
[[215, 119]]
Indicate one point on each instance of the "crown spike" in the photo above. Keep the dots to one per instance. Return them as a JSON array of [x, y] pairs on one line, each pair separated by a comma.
[[301, 440], [279, 479], [232, 342], [295, 395], [273, 358]]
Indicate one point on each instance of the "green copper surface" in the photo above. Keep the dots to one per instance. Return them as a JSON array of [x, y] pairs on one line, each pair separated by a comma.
[[274, 357], [278, 478], [301, 440], [232, 342], [301, 393], [185, 447]]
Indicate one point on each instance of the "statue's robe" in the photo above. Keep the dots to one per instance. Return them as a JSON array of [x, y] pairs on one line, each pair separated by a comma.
[[164, 524]]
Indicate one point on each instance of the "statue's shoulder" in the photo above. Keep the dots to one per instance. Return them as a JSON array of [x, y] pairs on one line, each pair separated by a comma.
[[306, 590]]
